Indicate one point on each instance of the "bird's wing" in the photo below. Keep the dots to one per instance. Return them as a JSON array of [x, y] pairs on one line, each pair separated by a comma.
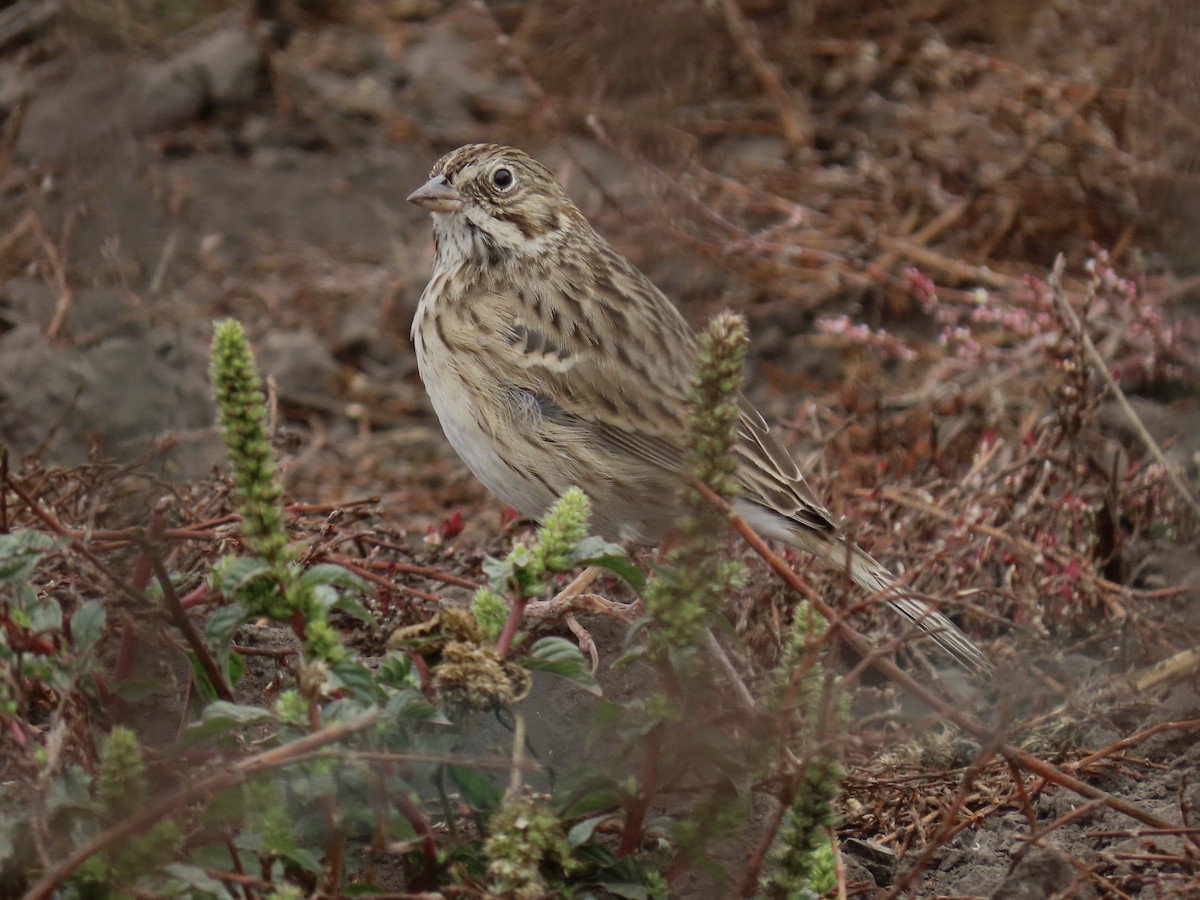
[[770, 477], [624, 387], [620, 367]]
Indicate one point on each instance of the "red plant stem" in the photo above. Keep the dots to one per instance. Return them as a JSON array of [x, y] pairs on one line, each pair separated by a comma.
[[334, 852], [787, 796], [422, 668], [963, 720], [635, 812], [367, 575], [238, 876], [412, 813], [127, 648], [299, 626], [511, 624], [791, 783], [126, 653], [410, 568], [198, 597], [335, 846], [49, 520], [179, 616]]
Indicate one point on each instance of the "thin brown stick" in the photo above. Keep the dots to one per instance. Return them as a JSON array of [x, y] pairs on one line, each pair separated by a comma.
[[953, 268], [634, 827], [51, 522], [1080, 334], [947, 826], [239, 773], [1109, 889], [59, 270], [1133, 740], [963, 720], [892, 495], [953, 213], [180, 617], [412, 813], [367, 575], [409, 568], [786, 101], [511, 624], [1175, 292]]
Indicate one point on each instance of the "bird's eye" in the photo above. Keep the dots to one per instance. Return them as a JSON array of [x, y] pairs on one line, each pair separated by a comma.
[[502, 178]]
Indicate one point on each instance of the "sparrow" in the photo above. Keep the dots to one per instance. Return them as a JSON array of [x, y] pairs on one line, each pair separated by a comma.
[[551, 361]]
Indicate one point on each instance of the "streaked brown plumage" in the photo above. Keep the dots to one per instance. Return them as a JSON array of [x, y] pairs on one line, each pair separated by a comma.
[[552, 362]]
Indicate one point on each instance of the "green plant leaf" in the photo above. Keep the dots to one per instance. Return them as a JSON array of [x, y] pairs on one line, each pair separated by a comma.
[[233, 671], [334, 576], [196, 877], [221, 717], [560, 657], [621, 567], [596, 546], [70, 790], [87, 625], [581, 832], [21, 551], [219, 628], [354, 677], [45, 615], [351, 605], [586, 791], [234, 573], [412, 705], [329, 597], [397, 671], [595, 551], [607, 715], [222, 623], [499, 573], [133, 690], [478, 790], [305, 859]]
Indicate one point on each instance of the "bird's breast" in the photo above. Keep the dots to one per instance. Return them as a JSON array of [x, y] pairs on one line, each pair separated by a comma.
[[485, 424]]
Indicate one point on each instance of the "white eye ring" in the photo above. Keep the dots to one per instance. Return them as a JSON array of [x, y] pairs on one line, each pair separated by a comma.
[[503, 178]]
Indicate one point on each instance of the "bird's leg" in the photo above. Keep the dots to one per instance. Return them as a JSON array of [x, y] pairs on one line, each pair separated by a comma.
[[584, 637], [578, 585], [575, 596]]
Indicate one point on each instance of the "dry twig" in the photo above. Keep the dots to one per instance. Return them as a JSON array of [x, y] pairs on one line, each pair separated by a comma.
[[1080, 334], [963, 720]]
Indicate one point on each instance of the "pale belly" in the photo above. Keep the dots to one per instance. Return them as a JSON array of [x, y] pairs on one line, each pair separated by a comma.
[[499, 472]]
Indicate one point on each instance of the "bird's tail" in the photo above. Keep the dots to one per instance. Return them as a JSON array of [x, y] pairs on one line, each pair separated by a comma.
[[875, 577]]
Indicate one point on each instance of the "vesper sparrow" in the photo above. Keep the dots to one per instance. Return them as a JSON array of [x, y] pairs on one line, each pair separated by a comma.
[[551, 362]]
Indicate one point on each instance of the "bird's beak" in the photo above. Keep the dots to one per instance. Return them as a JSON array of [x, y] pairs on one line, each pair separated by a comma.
[[437, 195]]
